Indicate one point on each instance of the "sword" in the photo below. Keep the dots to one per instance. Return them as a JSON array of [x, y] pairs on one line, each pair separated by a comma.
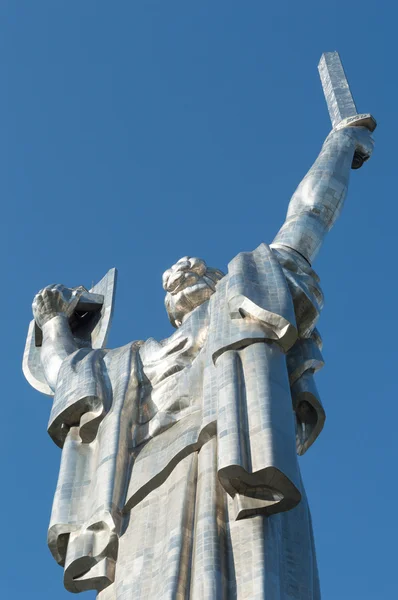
[[341, 105]]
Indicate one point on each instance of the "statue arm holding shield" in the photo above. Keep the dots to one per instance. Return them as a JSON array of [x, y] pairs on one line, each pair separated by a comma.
[[67, 322], [52, 308]]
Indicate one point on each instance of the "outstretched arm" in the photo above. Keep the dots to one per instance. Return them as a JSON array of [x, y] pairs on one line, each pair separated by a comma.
[[52, 308], [319, 198]]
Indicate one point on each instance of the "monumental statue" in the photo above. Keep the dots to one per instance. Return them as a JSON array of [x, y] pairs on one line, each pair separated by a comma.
[[179, 475]]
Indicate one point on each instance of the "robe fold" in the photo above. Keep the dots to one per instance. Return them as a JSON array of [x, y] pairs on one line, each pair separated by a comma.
[[179, 475]]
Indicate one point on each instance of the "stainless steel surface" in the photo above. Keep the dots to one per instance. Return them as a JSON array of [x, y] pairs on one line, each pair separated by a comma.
[[341, 105], [337, 92], [92, 332], [319, 199], [88, 304], [179, 475]]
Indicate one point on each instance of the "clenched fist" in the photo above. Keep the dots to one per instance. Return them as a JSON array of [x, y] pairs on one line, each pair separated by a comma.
[[54, 300], [362, 139]]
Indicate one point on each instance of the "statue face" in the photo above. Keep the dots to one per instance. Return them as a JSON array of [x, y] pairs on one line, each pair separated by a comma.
[[188, 284]]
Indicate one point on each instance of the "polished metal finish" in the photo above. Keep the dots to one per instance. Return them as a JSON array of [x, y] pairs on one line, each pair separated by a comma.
[[337, 92], [341, 105], [91, 329], [179, 475], [87, 306]]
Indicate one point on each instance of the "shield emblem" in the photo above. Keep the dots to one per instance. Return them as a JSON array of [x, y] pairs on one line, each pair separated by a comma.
[[90, 326]]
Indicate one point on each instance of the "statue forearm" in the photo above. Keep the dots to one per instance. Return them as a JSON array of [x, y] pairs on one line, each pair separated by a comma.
[[58, 343], [319, 199]]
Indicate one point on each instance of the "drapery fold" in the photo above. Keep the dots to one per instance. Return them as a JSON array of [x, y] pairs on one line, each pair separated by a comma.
[[87, 510], [128, 420], [183, 541], [257, 462]]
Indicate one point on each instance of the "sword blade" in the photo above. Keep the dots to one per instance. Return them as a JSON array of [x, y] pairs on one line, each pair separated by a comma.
[[335, 87]]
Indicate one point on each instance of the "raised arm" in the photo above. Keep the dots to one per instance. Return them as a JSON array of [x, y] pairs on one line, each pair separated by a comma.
[[319, 198], [52, 308]]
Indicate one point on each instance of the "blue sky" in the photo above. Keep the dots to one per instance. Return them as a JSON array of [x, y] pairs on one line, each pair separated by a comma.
[[134, 133]]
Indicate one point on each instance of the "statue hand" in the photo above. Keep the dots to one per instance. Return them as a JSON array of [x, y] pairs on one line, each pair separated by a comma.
[[54, 300], [364, 141], [361, 137]]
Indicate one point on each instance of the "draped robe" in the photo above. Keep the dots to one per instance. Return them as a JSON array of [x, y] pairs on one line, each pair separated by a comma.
[[179, 475]]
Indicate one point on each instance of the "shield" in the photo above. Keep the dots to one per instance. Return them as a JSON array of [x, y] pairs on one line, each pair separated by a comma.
[[90, 326]]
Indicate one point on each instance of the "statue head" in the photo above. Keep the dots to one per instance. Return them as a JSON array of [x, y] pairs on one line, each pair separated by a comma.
[[188, 284]]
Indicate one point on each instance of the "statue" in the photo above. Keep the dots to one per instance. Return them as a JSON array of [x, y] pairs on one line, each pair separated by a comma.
[[179, 475]]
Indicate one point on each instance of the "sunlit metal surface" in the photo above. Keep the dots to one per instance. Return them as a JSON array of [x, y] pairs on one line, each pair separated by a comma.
[[179, 475]]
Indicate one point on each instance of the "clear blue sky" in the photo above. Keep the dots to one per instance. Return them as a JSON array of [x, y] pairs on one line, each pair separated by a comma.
[[133, 133]]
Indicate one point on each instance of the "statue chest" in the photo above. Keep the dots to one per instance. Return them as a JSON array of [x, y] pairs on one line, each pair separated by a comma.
[[171, 377]]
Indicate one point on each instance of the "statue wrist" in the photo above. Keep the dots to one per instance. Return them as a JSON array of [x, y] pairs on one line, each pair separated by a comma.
[[55, 326], [343, 135]]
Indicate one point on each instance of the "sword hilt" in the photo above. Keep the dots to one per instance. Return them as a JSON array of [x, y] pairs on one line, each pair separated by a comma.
[[360, 120], [341, 105]]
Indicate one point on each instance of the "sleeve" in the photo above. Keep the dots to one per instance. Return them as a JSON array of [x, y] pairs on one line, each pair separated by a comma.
[[82, 395]]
